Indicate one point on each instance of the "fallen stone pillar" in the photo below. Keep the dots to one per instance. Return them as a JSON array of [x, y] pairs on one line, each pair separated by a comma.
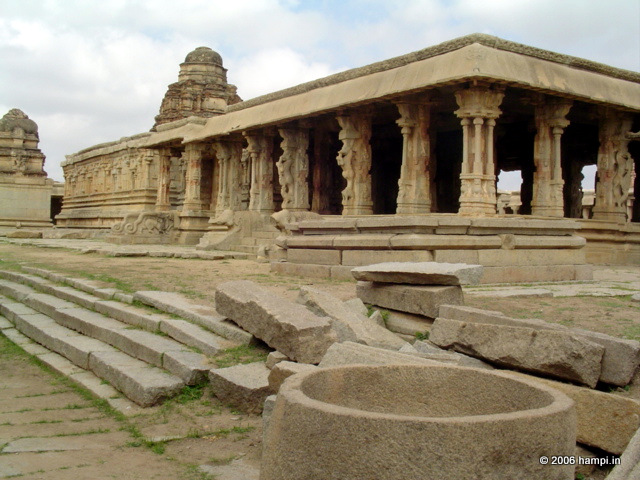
[[286, 326], [546, 352]]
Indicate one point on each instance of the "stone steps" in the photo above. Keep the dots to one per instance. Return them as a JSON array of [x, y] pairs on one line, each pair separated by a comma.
[[143, 365], [211, 334], [139, 382]]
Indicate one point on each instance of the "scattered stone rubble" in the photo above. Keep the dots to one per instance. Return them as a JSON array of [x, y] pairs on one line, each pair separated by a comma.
[[319, 331]]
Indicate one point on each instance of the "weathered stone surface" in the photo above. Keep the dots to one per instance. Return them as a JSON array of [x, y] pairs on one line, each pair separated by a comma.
[[348, 325], [619, 362], [420, 273], [207, 317], [243, 386], [430, 351], [635, 297], [546, 352], [356, 305], [145, 346], [422, 300], [629, 468], [191, 367], [24, 234], [274, 358], [284, 370], [130, 314], [143, 384], [286, 326], [349, 353], [605, 420], [404, 323], [448, 425], [195, 336]]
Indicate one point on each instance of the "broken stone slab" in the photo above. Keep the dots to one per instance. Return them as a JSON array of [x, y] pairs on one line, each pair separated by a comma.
[[349, 353], [284, 370], [605, 420], [357, 306], [24, 234], [420, 273], [274, 358], [195, 336], [348, 325], [285, 326], [130, 314], [205, 316], [431, 351], [243, 386], [141, 383], [547, 352], [404, 323], [629, 467], [619, 362], [191, 367], [418, 299]]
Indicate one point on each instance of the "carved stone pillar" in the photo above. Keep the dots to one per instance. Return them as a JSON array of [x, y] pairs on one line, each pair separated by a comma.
[[355, 160], [229, 155], [147, 161], [163, 200], [261, 192], [614, 167], [293, 169], [193, 156], [550, 119], [478, 112], [417, 172]]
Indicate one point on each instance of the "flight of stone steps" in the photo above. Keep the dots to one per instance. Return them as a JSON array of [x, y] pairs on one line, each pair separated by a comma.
[[102, 341]]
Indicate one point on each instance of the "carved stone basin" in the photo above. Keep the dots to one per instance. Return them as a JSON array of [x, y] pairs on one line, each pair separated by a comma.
[[417, 422]]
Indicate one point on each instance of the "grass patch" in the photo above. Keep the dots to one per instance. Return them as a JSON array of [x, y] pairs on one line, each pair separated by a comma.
[[223, 460], [422, 335], [632, 332], [242, 354]]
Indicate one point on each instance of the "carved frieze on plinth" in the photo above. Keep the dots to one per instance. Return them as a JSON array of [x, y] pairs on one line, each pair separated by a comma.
[[354, 159], [418, 162], [550, 119], [293, 169], [478, 112], [615, 167]]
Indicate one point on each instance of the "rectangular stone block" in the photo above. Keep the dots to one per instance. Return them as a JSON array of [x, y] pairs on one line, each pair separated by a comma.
[[243, 386], [421, 300], [207, 342], [547, 352], [285, 326], [368, 257], [526, 274], [605, 420], [502, 257], [309, 241], [302, 269], [441, 242], [314, 256], [547, 241], [456, 256], [130, 314], [620, 360], [362, 241], [420, 273]]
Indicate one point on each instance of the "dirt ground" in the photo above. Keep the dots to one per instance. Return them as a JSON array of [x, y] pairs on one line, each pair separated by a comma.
[[172, 440]]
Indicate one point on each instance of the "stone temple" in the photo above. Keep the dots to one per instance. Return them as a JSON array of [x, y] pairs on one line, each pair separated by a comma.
[[27, 197], [394, 161]]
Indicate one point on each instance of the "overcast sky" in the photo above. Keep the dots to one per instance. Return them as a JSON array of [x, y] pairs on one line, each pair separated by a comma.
[[92, 71]]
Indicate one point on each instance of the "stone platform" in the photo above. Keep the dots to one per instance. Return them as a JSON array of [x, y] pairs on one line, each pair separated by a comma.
[[511, 248]]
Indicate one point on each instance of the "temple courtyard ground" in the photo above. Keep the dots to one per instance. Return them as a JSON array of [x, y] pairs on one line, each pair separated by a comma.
[[51, 429]]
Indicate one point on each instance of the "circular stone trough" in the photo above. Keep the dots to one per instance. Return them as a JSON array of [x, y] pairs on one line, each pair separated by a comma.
[[417, 422]]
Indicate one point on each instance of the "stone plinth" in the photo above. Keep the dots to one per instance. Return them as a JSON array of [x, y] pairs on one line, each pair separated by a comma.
[[420, 273]]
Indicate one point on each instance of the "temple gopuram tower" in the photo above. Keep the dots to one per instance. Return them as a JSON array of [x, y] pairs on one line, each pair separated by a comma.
[[201, 90]]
